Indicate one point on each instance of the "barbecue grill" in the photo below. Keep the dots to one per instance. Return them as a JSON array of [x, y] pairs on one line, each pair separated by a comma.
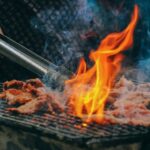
[[71, 129], [62, 131]]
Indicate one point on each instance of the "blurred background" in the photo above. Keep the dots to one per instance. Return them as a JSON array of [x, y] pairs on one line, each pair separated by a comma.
[[63, 31]]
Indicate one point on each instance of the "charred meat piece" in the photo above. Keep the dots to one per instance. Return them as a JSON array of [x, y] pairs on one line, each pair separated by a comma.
[[13, 84], [54, 105], [43, 100], [35, 83], [31, 95], [14, 96], [132, 115], [30, 107], [18, 92], [130, 105]]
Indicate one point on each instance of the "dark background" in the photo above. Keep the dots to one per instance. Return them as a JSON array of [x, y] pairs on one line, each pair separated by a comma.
[[62, 31]]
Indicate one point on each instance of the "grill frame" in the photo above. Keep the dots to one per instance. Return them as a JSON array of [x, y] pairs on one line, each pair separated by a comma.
[[70, 128]]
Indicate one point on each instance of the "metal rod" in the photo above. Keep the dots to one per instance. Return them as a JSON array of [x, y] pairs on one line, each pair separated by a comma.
[[28, 59]]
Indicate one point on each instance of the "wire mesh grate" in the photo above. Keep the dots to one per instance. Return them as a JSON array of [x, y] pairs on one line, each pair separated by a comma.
[[70, 127]]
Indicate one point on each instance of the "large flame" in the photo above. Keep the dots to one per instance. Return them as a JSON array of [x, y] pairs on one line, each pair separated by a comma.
[[90, 87]]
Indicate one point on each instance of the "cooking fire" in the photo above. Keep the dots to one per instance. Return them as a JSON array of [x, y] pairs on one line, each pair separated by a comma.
[[94, 94]]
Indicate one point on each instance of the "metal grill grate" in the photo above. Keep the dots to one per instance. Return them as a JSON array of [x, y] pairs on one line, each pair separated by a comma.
[[71, 128]]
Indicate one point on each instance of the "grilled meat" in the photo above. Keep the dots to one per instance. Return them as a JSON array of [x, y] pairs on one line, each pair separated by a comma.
[[53, 104], [13, 84], [128, 103], [131, 103], [35, 83], [31, 107], [14, 96], [31, 95], [18, 92]]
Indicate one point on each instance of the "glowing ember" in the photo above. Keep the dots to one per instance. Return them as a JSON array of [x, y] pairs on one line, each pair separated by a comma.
[[90, 87]]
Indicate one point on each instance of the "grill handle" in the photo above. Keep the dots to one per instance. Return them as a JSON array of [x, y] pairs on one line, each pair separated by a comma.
[[31, 60]]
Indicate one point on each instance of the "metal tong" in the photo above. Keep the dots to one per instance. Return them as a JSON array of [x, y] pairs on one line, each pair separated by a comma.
[[32, 61]]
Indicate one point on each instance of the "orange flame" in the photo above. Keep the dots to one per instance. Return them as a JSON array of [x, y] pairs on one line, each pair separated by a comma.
[[90, 87]]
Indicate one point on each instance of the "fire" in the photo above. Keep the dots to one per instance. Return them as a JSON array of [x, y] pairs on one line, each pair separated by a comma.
[[91, 86]]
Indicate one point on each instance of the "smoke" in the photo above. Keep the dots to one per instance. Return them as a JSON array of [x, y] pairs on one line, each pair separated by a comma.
[[144, 67], [64, 24]]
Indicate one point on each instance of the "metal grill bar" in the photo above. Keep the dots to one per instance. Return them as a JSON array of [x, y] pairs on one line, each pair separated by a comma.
[[70, 127]]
